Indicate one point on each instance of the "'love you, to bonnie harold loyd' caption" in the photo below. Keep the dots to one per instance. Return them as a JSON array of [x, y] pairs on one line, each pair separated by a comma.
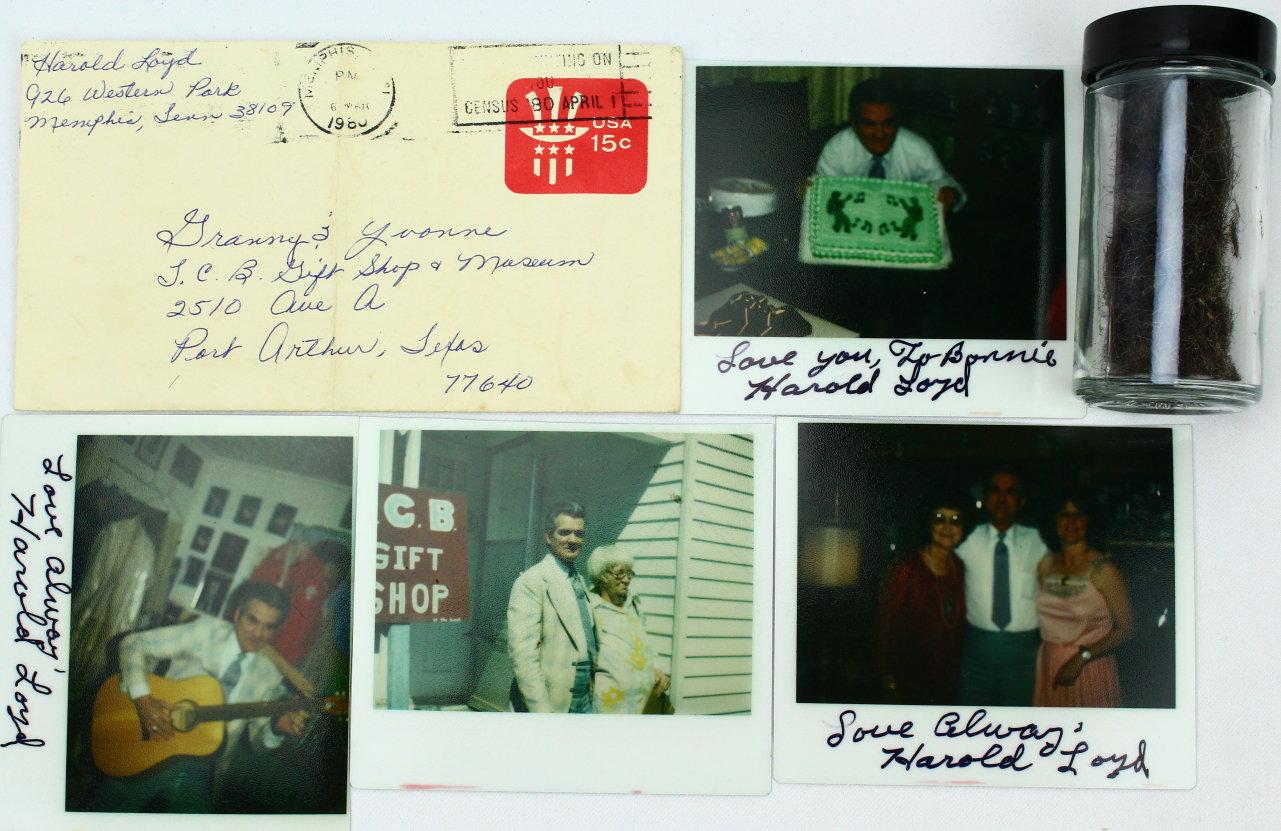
[[920, 370]]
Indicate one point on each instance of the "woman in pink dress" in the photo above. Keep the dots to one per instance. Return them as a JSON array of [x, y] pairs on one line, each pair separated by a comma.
[[1085, 615]]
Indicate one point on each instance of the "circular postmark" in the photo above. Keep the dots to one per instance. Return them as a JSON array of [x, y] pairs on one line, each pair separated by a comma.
[[344, 92]]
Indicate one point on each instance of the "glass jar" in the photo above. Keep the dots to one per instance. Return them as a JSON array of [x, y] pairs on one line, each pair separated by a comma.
[[1173, 209]]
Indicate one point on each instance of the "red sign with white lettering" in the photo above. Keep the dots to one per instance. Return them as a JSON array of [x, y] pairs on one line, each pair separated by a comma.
[[577, 135], [421, 556]]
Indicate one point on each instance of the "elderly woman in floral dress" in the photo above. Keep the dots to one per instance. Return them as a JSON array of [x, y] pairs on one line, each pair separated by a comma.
[[627, 672]]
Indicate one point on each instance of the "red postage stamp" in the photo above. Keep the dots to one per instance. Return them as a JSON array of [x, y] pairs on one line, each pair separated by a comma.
[[577, 135]]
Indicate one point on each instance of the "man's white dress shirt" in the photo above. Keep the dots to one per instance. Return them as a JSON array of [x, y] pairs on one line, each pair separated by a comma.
[[911, 159], [978, 553]]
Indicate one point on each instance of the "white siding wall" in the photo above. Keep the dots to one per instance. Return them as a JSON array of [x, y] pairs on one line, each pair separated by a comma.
[[691, 535], [652, 537], [713, 620]]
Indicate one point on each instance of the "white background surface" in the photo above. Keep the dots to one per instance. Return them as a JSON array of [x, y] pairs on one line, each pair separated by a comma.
[[1238, 566]]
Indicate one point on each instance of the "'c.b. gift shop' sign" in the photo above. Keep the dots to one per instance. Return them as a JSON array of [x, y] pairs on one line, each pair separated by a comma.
[[421, 556]]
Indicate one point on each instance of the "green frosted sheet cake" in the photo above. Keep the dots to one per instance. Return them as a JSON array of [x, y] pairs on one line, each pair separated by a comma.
[[873, 222]]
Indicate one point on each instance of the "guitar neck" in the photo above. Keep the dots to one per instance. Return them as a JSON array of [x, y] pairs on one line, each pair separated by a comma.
[[231, 712]]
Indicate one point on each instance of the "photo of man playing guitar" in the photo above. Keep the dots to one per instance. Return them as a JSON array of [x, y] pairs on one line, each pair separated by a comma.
[[207, 647]]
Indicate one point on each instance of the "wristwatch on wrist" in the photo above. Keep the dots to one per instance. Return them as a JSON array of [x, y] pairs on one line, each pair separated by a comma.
[[1086, 655]]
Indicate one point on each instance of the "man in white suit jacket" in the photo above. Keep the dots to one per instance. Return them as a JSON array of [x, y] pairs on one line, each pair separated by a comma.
[[230, 652], [549, 632]]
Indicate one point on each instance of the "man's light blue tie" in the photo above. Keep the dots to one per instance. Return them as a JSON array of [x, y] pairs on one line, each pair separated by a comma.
[[877, 170], [231, 676], [588, 628], [1001, 583]]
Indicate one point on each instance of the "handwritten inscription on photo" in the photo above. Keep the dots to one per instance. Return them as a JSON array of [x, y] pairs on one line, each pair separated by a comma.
[[911, 368], [40, 586], [958, 740]]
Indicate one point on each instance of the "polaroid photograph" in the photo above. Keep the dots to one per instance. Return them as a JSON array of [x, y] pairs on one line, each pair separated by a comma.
[[984, 604], [558, 588], [876, 240], [142, 691]]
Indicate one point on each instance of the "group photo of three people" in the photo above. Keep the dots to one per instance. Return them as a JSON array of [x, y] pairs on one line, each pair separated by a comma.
[[1001, 616], [985, 566]]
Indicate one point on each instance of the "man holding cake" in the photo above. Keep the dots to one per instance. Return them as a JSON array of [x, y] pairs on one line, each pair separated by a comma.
[[874, 146]]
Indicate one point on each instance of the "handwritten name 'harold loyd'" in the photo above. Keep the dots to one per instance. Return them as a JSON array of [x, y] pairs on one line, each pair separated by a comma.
[[35, 523], [990, 745], [921, 372]]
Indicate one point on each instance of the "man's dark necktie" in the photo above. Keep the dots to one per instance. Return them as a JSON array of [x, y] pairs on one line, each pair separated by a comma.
[[1001, 583], [231, 676], [877, 170]]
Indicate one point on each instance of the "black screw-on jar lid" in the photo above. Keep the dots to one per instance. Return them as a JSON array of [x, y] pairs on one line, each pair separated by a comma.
[[1178, 32]]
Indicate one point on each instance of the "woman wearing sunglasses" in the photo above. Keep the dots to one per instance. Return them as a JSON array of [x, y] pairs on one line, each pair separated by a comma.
[[922, 624]]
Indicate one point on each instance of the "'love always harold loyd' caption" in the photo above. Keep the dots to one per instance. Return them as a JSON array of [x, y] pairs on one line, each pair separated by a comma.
[[41, 593], [975, 741]]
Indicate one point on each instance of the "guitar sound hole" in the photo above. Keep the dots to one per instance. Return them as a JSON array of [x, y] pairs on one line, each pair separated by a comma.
[[183, 716]]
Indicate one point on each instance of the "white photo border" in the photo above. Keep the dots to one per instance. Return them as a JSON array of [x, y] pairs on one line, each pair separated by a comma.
[[803, 754], [1025, 390], [681, 754], [39, 773]]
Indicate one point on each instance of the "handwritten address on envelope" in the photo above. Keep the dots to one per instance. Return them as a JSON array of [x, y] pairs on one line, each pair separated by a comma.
[[348, 226]]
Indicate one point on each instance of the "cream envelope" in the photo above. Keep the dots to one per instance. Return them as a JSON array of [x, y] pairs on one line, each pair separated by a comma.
[[378, 226]]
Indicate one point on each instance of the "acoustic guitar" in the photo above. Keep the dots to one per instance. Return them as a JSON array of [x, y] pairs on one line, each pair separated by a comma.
[[121, 745]]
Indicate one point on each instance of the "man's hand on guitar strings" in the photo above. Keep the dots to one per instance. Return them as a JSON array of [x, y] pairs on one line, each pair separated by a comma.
[[154, 715], [292, 723]]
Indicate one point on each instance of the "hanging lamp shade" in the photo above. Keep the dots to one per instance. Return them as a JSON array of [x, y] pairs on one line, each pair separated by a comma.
[[829, 556]]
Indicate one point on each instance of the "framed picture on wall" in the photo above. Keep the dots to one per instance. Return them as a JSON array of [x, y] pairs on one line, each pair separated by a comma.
[[281, 519], [247, 512], [214, 593], [230, 549], [151, 450], [216, 501], [185, 466], [203, 536], [195, 568]]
